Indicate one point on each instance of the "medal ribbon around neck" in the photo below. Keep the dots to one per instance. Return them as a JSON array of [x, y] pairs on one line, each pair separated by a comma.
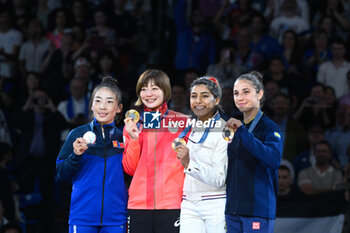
[[206, 132], [255, 121]]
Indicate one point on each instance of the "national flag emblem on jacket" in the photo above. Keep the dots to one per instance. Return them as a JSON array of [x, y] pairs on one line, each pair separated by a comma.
[[118, 144], [277, 135]]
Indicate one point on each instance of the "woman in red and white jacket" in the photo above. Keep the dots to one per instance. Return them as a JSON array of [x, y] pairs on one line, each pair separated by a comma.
[[155, 192]]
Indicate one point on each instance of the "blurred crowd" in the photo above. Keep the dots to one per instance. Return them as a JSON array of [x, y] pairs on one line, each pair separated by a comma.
[[54, 52]]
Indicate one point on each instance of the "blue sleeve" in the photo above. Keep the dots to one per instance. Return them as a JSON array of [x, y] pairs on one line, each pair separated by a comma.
[[67, 161], [269, 151], [180, 16]]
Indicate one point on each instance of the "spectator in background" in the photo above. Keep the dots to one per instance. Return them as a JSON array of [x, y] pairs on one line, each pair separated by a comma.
[[318, 54], [291, 51], [179, 100], [57, 23], [7, 203], [80, 14], [125, 25], [327, 24], [271, 89], [261, 42], [228, 106], [195, 47], [322, 177], [189, 76], [273, 9], [286, 82], [293, 134], [226, 70], [231, 16], [331, 104], [10, 43], [42, 12], [333, 73], [22, 13], [345, 99], [57, 67], [82, 69], [243, 55], [31, 84], [315, 134], [34, 49], [313, 109], [335, 10], [40, 125], [102, 29], [288, 20], [108, 65], [287, 190], [339, 136], [77, 103]]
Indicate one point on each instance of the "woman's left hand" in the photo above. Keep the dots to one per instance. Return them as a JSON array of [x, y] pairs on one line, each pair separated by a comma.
[[233, 123], [183, 155]]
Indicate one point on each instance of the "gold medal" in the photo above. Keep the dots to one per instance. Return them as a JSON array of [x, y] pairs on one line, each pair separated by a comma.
[[228, 134], [177, 142], [133, 114]]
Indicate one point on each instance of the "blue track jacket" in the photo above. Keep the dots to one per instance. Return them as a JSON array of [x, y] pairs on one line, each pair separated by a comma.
[[99, 195], [252, 176]]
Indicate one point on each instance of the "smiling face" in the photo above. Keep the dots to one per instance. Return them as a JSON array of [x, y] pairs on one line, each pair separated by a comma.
[[152, 96], [203, 103], [245, 96], [105, 106]]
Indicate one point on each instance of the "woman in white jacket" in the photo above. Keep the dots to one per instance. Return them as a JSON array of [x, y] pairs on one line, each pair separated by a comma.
[[205, 162]]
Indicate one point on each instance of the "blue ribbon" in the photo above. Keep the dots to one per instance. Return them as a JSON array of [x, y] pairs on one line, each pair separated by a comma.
[[206, 132], [255, 121]]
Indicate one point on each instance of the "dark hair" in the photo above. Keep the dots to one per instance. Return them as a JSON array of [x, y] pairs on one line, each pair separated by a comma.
[[324, 142], [160, 78], [284, 167], [281, 94], [213, 86], [338, 40], [318, 84], [112, 84], [261, 17], [256, 79]]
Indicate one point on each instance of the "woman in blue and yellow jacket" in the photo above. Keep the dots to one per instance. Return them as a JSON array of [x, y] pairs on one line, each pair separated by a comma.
[[254, 157], [99, 196]]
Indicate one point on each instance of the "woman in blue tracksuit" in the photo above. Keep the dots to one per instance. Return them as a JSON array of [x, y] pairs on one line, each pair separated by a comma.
[[254, 157], [99, 196]]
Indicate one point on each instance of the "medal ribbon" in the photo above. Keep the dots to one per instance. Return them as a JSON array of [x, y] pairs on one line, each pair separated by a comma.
[[206, 132], [255, 121]]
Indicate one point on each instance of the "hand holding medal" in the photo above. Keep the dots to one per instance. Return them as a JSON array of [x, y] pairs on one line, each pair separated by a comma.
[[131, 118], [228, 134], [90, 137], [133, 114], [231, 126], [179, 146], [80, 145], [177, 142]]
